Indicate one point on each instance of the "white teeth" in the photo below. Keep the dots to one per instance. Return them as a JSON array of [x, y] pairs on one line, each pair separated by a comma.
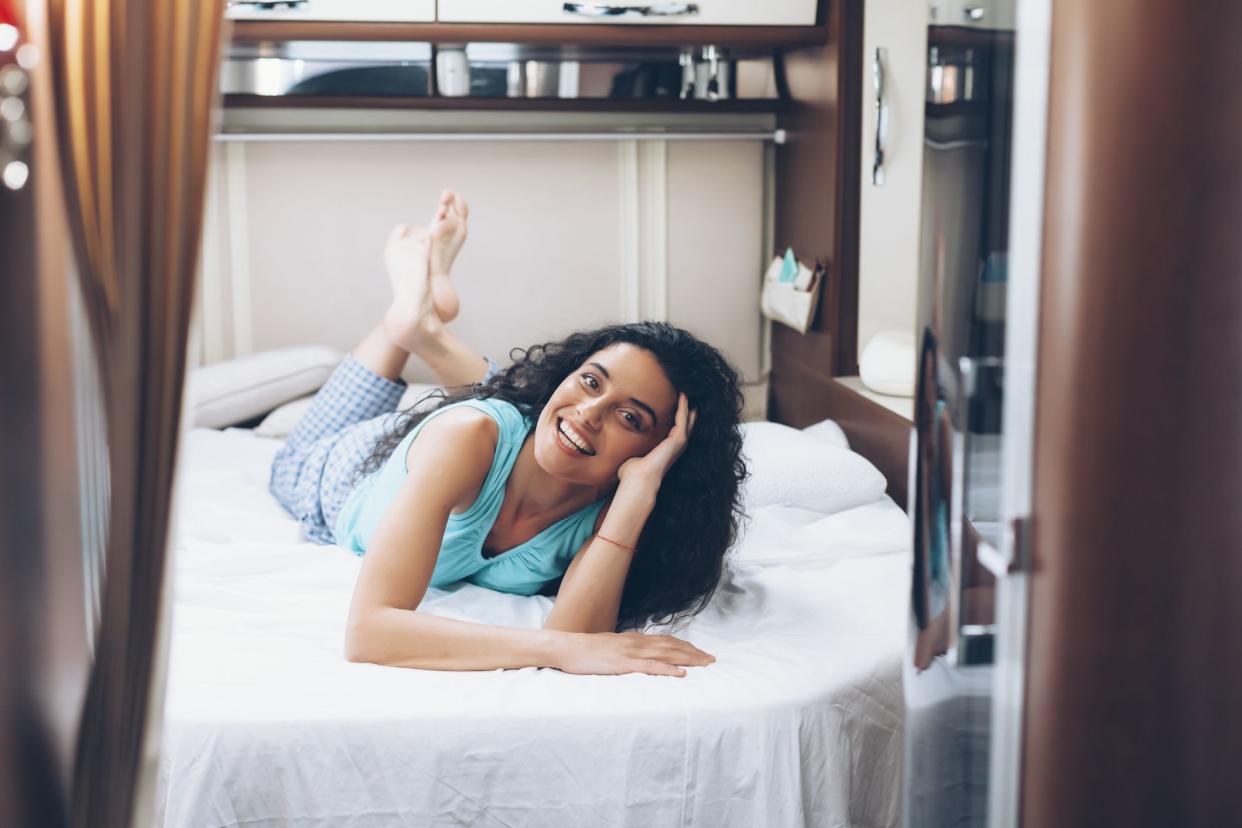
[[574, 438]]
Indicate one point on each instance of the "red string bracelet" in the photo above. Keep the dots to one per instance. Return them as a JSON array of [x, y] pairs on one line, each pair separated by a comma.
[[614, 543]]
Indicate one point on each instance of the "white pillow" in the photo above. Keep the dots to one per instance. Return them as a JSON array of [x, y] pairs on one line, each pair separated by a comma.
[[280, 422], [236, 390], [789, 468], [829, 432]]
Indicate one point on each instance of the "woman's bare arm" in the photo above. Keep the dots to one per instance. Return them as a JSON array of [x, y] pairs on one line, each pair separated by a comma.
[[446, 473], [590, 593]]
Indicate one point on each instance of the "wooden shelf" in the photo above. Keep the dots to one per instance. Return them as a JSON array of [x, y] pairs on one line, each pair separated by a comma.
[[431, 102], [901, 406], [593, 34]]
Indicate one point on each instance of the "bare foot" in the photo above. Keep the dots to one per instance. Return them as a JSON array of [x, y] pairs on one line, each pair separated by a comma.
[[446, 234], [413, 318]]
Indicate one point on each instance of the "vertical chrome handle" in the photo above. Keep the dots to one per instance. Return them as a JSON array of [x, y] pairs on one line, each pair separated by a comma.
[[654, 10], [881, 117]]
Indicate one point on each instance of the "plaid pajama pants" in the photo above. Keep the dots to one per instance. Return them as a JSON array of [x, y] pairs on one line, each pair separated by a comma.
[[315, 470]]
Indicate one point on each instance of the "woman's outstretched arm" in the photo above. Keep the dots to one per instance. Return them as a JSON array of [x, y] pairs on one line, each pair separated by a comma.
[[446, 472]]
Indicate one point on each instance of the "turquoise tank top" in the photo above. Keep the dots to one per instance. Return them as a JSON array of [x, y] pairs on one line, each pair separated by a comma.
[[522, 570]]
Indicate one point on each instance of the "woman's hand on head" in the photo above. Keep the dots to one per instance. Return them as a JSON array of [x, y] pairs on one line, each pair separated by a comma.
[[610, 654], [648, 471]]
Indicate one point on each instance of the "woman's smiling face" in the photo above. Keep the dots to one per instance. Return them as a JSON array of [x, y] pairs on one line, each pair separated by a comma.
[[617, 405]]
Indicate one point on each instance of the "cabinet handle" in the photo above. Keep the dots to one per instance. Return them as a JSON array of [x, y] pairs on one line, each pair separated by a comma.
[[881, 117], [268, 5], [655, 10]]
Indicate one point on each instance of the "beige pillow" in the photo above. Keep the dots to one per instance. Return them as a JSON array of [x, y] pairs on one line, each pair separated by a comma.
[[235, 390], [280, 422]]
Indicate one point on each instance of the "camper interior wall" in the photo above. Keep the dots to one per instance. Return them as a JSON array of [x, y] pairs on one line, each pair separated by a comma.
[[564, 235]]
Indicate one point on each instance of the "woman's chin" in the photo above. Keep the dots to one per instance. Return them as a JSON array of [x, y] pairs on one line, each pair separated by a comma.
[[557, 463]]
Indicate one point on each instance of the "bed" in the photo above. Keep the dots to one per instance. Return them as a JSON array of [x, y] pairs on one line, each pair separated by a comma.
[[266, 724]]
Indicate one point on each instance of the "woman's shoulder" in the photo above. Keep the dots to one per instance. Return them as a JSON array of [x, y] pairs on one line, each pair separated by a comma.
[[486, 423], [462, 419], [507, 416]]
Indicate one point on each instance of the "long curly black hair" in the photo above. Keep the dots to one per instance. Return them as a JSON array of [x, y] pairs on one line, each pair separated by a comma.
[[680, 553]]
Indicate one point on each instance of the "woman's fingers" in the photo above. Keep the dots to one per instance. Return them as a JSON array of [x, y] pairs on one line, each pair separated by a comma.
[[685, 416], [672, 650], [682, 653], [690, 658], [652, 667]]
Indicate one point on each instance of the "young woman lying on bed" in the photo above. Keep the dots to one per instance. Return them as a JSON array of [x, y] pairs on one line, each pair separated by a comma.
[[606, 467]]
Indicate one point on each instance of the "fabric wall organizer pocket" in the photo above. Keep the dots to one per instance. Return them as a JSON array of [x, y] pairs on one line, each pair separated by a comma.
[[791, 292]]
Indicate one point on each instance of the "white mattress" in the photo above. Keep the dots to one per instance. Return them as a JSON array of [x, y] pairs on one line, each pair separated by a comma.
[[797, 723]]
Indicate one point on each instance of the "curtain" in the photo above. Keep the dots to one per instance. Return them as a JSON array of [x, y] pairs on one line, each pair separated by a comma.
[[134, 86]]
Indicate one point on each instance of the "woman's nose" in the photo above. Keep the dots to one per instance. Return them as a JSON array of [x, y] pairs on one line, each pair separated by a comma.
[[590, 411]]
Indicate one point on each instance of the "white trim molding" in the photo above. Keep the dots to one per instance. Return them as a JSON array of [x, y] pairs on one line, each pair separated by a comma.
[[652, 219], [643, 189], [1026, 220], [631, 292], [239, 250], [209, 332]]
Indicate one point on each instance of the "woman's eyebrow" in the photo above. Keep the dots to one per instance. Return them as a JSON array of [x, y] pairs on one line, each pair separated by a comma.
[[654, 419], [651, 411]]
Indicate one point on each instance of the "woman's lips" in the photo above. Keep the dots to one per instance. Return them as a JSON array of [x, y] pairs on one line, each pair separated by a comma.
[[565, 445]]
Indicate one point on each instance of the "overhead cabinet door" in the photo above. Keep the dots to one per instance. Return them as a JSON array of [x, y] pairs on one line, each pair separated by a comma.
[[701, 13], [396, 11]]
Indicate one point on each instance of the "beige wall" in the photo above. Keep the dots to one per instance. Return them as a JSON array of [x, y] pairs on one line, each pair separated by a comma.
[[563, 235], [889, 214]]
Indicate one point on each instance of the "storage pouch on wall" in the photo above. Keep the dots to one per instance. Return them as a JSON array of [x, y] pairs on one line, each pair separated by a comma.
[[791, 301]]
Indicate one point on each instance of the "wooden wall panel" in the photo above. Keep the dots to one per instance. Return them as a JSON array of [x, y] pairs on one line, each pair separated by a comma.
[[817, 195], [1133, 714], [817, 186]]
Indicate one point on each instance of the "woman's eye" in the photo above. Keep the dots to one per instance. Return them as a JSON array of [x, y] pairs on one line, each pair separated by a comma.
[[590, 381], [631, 419]]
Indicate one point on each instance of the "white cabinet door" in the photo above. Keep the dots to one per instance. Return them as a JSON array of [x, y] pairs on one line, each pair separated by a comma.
[[698, 12], [888, 255], [402, 11]]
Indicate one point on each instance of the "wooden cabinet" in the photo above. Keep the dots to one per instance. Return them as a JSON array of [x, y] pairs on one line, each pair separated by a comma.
[[357, 11], [700, 12]]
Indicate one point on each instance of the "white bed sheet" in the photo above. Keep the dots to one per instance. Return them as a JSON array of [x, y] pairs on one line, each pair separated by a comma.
[[797, 723]]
